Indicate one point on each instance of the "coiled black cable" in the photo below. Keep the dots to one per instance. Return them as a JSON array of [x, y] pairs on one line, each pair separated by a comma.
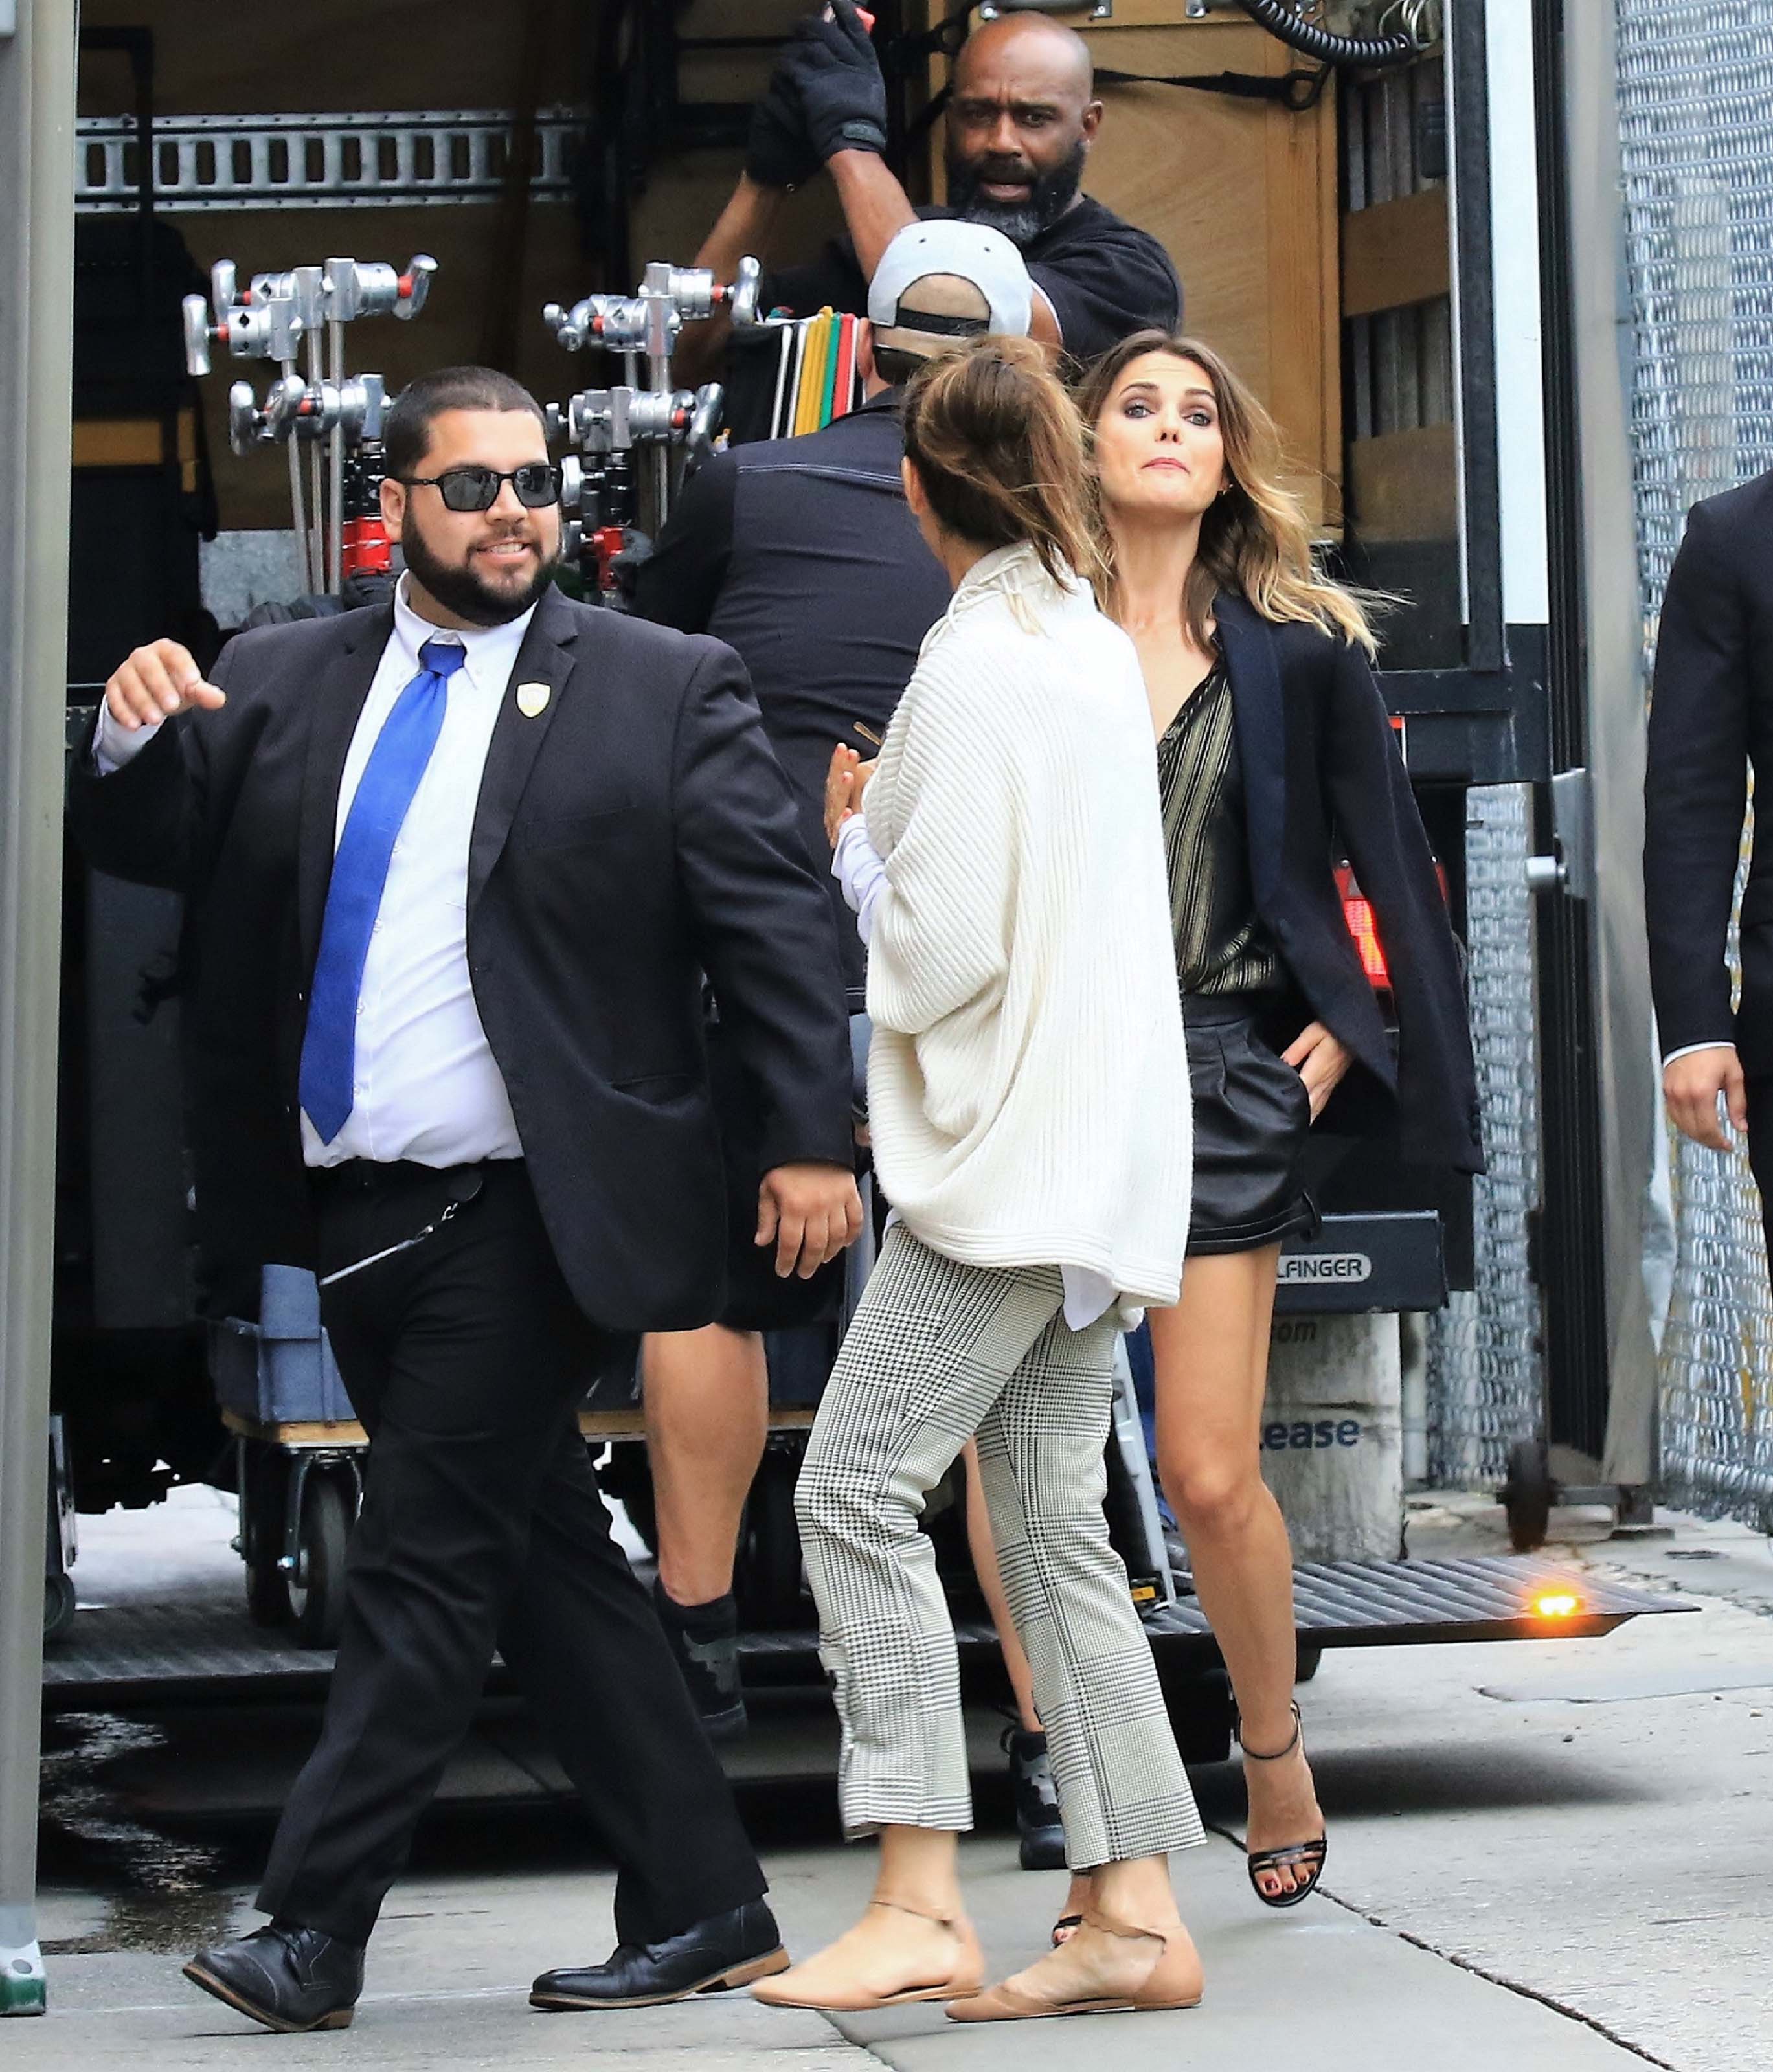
[[1375, 52]]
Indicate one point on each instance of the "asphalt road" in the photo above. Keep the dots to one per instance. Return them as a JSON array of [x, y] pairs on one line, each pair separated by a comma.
[[1545, 1857]]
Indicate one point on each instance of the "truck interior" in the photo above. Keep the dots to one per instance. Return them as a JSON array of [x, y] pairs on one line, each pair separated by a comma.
[[548, 150]]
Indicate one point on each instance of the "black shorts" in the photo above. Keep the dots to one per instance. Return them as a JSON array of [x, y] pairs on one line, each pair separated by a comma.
[[758, 1298], [1253, 1117]]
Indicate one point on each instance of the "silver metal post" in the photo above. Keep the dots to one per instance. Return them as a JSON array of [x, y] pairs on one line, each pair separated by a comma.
[[317, 538], [336, 507], [656, 293], [296, 511], [36, 334]]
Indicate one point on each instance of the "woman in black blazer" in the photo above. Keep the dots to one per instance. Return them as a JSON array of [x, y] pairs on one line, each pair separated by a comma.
[[1274, 748]]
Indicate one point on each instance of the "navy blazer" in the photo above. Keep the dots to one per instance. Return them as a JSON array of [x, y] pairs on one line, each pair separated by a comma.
[[633, 834], [1322, 771], [1711, 719]]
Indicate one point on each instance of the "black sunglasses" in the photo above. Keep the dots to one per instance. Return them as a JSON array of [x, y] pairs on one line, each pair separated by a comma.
[[537, 483]]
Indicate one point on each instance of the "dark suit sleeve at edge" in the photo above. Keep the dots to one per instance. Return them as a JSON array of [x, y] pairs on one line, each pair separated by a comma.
[[1695, 790], [1376, 813], [764, 925]]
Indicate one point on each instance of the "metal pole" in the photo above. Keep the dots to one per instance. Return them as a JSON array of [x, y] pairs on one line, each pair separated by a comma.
[[36, 344], [303, 544], [336, 468], [1612, 645], [317, 538]]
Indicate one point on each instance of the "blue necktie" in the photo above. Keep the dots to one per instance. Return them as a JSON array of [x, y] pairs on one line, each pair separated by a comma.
[[359, 870]]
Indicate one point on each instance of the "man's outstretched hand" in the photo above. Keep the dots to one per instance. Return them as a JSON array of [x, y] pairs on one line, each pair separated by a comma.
[[810, 1214], [156, 682]]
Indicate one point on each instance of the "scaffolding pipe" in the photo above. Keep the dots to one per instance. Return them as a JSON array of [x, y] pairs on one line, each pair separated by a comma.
[[37, 147]]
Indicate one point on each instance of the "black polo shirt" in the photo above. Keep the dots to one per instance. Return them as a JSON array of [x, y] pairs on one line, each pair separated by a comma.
[[1105, 278], [803, 555]]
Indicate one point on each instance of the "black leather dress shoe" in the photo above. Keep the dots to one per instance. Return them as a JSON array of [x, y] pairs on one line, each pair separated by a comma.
[[726, 1949], [288, 1977]]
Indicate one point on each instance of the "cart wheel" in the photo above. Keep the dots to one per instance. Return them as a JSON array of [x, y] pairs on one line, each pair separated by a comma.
[[264, 1494], [1199, 1702], [317, 1589], [1309, 1657], [767, 1581], [59, 1601], [1528, 1495]]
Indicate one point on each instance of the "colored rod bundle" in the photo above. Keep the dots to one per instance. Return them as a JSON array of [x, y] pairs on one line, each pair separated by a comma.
[[816, 374]]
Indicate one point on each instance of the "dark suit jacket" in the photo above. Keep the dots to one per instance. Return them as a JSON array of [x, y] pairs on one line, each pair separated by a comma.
[[1711, 716], [634, 835], [1319, 761]]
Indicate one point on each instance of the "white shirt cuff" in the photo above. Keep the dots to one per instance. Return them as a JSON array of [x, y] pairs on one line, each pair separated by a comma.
[[114, 745], [856, 865], [1690, 1050]]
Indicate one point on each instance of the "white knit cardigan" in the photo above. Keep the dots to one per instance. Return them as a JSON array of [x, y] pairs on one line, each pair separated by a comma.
[[1028, 1082]]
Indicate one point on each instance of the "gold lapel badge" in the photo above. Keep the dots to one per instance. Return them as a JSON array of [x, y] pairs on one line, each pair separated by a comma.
[[532, 698]]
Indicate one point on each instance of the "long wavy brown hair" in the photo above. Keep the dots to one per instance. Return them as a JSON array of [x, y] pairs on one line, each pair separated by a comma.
[[1254, 539]]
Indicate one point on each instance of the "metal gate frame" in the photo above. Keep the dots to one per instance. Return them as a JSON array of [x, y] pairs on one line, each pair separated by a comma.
[[36, 376]]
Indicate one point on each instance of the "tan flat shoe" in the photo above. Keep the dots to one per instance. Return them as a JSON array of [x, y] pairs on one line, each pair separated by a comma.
[[1168, 1985], [963, 1982]]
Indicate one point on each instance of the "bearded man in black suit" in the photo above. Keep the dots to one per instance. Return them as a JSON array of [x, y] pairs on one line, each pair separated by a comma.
[[455, 869]]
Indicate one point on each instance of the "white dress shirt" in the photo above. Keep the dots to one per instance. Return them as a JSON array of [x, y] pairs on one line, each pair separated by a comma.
[[1693, 1049], [427, 1087]]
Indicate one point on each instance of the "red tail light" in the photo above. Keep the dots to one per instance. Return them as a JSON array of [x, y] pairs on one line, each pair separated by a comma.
[[1364, 925], [1359, 914]]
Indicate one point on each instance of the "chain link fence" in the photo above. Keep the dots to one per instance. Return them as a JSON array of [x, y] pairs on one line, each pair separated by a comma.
[[1695, 121], [1485, 1381]]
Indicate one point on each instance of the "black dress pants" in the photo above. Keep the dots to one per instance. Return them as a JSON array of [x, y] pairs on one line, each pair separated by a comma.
[[466, 1358], [1760, 1150]]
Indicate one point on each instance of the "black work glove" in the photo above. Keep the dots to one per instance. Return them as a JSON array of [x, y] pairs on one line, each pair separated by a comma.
[[831, 66], [778, 152]]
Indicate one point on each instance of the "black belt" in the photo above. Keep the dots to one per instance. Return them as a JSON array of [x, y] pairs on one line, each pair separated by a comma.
[[369, 1179], [1201, 1010], [358, 1177]]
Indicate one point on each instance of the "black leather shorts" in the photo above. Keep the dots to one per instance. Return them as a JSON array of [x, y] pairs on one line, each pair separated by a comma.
[[1251, 1117]]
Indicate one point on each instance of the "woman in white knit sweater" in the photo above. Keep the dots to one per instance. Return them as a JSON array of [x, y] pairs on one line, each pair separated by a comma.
[[1030, 1126]]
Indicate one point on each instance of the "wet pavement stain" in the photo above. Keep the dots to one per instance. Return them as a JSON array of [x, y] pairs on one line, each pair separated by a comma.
[[166, 1896]]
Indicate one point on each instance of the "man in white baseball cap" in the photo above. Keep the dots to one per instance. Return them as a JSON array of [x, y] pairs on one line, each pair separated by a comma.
[[940, 282], [802, 554]]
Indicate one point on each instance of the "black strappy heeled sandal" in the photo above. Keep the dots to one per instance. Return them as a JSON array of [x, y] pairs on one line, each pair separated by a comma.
[[1295, 1856]]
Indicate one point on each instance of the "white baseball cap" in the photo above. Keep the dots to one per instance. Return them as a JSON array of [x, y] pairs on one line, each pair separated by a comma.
[[943, 280]]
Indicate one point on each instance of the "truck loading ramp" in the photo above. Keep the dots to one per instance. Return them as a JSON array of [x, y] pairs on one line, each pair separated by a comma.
[[136, 1654]]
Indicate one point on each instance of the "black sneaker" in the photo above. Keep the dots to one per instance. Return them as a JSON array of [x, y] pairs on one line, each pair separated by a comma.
[[705, 1640], [1038, 1823]]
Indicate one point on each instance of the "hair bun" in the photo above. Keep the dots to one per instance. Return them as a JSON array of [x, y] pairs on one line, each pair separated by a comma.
[[999, 449]]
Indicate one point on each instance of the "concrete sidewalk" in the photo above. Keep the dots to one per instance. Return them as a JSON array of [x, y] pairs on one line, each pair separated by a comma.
[[1319, 1986], [1544, 1858]]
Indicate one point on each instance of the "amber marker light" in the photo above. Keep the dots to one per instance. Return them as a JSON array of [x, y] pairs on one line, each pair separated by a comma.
[[1557, 1603]]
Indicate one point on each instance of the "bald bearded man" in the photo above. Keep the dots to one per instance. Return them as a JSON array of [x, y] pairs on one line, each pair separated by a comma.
[[1020, 121]]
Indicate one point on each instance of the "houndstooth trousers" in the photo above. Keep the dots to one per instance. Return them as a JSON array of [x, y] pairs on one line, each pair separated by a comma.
[[936, 1352]]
